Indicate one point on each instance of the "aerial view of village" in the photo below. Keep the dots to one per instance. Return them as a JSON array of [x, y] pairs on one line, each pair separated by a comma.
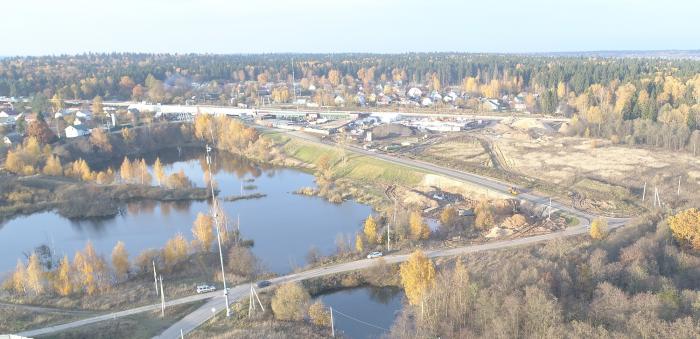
[[281, 180]]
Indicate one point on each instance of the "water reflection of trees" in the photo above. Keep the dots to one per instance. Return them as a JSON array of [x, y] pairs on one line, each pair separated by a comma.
[[231, 164], [144, 206], [93, 226], [383, 295], [221, 161]]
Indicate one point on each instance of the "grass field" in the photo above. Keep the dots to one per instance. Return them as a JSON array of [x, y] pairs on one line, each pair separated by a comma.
[[143, 325], [356, 167], [13, 320]]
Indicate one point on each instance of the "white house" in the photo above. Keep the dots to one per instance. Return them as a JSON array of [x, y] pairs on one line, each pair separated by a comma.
[[492, 105], [84, 115], [414, 93], [9, 121], [76, 131], [12, 139], [339, 101], [426, 102]]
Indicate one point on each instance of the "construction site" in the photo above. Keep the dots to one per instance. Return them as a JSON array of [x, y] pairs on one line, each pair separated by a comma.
[[596, 175]]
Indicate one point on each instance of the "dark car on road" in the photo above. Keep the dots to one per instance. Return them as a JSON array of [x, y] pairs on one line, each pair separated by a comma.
[[263, 283]]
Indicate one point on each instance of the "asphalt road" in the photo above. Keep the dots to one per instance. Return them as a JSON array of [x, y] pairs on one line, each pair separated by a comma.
[[216, 301]]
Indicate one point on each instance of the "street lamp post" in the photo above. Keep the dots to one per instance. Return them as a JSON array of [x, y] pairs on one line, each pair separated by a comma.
[[218, 233]]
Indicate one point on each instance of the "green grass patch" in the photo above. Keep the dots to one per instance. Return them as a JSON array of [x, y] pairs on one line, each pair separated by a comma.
[[355, 167], [601, 190]]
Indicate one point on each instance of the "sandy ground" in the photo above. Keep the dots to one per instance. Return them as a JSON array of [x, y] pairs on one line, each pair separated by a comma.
[[526, 148]]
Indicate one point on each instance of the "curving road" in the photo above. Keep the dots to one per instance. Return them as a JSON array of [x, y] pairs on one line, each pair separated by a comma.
[[216, 300]]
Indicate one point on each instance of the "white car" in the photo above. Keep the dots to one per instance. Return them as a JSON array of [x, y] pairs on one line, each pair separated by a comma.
[[205, 288], [374, 255]]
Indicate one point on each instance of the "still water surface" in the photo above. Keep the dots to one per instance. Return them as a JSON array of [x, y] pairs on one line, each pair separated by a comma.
[[364, 312], [283, 225]]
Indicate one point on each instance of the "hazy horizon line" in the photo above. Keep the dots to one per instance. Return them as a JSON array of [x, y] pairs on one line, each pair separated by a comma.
[[543, 53]]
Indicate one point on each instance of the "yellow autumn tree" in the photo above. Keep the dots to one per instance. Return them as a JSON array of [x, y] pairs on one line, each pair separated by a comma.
[[144, 176], [289, 302], [370, 230], [203, 127], [19, 278], [105, 177], [435, 81], [319, 314], [685, 227], [100, 139], [91, 270], [82, 170], [126, 170], [484, 215], [63, 283], [419, 228], [159, 172], [14, 162], [53, 166], [120, 260], [417, 276], [127, 135], [35, 274], [561, 90], [359, 243], [599, 229], [85, 273], [334, 77], [175, 251], [448, 217], [470, 85], [203, 231], [97, 105]]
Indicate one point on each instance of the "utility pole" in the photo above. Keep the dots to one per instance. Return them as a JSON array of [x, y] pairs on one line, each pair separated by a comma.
[[294, 86], [251, 301], [182, 335], [332, 324], [388, 227], [162, 298], [218, 232], [549, 210], [155, 277], [644, 191]]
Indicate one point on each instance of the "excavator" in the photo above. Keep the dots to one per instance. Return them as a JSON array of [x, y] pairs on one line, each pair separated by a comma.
[[513, 191]]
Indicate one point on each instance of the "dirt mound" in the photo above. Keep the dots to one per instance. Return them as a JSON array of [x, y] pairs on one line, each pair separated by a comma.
[[391, 131], [531, 124], [498, 232], [416, 200], [565, 129], [515, 221]]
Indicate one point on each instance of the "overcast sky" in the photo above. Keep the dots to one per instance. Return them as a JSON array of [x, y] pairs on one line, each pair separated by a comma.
[[37, 27]]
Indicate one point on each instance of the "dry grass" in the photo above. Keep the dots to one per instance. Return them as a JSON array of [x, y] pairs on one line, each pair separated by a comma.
[[611, 174], [144, 325], [15, 319]]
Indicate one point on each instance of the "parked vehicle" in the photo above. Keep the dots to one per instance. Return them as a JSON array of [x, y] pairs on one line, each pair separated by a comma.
[[204, 288], [263, 283], [374, 255]]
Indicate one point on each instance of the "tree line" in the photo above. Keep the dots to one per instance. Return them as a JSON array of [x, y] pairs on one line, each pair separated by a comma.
[[631, 100]]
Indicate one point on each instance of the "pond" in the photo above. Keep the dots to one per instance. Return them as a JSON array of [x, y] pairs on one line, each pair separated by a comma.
[[364, 312], [283, 225]]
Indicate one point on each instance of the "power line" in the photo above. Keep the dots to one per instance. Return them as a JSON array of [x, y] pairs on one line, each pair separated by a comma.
[[360, 321]]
